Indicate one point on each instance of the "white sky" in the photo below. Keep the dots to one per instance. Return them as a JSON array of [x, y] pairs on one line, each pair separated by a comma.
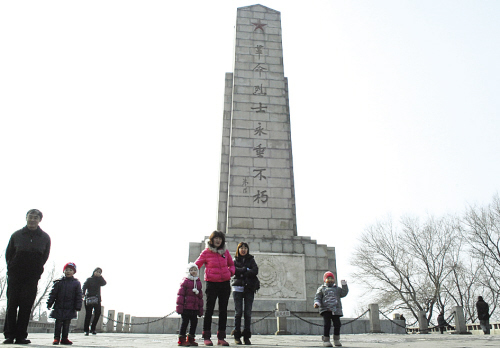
[[111, 116]]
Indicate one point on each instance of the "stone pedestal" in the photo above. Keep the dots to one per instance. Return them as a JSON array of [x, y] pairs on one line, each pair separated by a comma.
[[422, 323], [290, 270], [460, 326], [110, 325], [80, 320], [126, 327], [374, 318], [119, 322], [281, 324]]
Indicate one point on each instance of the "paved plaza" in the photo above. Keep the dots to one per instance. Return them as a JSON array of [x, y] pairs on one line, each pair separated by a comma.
[[268, 341]]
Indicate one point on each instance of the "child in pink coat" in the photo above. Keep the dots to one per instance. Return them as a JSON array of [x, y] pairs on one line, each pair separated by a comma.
[[189, 305]]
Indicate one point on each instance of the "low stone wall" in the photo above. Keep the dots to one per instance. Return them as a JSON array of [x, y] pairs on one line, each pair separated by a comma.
[[268, 326], [474, 329], [40, 327]]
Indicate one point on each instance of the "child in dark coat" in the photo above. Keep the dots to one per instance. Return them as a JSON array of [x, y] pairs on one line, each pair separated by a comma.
[[189, 305], [66, 297]]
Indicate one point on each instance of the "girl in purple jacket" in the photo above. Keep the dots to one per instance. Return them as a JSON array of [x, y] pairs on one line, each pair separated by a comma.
[[219, 268], [189, 305]]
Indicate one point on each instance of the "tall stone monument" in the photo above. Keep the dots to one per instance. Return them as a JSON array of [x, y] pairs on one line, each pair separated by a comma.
[[256, 194]]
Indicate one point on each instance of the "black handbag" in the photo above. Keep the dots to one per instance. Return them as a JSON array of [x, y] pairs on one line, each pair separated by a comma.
[[92, 300]]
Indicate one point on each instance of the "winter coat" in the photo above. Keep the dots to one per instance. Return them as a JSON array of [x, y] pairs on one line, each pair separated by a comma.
[[483, 310], [92, 286], [66, 297], [190, 296], [328, 298], [219, 265], [246, 271], [441, 321], [27, 253]]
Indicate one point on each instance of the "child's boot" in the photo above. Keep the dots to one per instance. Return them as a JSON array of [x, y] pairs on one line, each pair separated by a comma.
[[237, 336], [326, 341], [220, 339], [56, 340], [206, 338], [182, 342], [66, 341], [191, 341], [336, 341], [246, 337]]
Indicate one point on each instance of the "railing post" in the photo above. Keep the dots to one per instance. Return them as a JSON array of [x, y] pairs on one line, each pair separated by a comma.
[[374, 318], [281, 324], [460, 327], [99, 327], [119, 322], [110, 325], [423, 328], [132, 321], [126, 327], [80, 319]]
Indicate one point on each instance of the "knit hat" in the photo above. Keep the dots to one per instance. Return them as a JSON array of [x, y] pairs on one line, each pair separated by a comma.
[[189, 266], [328, 274], [70, 265]]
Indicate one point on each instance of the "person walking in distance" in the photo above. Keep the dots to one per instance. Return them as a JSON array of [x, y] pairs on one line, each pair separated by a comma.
[[219, 268], [442, 324], [92, 291], [483, 314], [26, 254], [327, 299]]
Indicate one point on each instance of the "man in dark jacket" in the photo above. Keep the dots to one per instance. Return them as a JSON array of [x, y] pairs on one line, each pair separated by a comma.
[[483, 314], [26, 254], [442, 322]]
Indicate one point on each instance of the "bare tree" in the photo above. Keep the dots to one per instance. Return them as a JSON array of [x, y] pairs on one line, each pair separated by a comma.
[[462, 287], [43, 291], [405, 268], [3, 282], [481, 228]]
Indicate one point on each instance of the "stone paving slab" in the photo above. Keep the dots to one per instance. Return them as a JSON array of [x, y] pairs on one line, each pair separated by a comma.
[[268, 341]]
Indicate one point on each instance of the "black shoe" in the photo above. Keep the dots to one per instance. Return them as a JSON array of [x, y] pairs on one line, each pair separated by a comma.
[[86, 333], [94, 333], [22, 341], [8, 341]]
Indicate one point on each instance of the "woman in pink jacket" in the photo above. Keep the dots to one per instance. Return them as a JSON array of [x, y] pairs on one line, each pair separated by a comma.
[[219, 268]]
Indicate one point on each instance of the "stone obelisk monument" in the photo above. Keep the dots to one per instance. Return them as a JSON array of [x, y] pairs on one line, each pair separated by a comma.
[[256, 195]]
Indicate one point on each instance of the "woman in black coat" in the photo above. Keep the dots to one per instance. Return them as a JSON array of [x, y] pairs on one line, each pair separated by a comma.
[[245, 283], [92, 291]]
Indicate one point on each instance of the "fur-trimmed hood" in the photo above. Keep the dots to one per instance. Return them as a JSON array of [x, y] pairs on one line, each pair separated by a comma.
[[212, 247], [188, 274]]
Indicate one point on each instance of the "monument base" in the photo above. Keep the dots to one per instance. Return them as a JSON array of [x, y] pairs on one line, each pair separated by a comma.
[[290, 270]]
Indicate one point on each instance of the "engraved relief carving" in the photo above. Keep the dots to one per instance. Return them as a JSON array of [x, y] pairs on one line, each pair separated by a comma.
[[281, 276]]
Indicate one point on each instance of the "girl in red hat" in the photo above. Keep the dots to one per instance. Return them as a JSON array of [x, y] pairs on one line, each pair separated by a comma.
[[66, 297], [327, 299]]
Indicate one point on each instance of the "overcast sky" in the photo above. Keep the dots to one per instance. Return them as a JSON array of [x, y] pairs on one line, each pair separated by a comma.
[[111, 116]]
